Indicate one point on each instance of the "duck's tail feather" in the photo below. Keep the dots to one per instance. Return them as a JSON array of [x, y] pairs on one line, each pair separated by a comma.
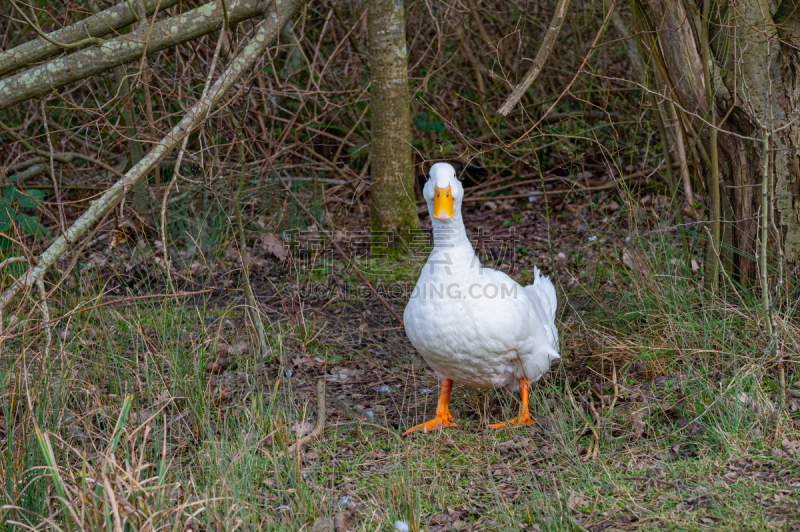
[[545, 292]]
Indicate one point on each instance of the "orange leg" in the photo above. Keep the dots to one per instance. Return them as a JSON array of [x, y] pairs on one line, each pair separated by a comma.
[[443, 418], [524, 417]]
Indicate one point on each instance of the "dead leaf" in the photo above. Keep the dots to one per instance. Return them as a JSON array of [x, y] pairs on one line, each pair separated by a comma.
[[241, 347], [343, 522], [791, 446], [627, 259], [549, 451], [273, 245], [695, 266], [118, 237], [446, 517], [98, 260], [508, 446], [576, 502], [777, 454], [220, 364], [305, 428], [638, 425], [322, 524]]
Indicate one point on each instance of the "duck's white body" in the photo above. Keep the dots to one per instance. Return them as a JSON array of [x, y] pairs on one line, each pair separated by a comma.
[[474, 325]]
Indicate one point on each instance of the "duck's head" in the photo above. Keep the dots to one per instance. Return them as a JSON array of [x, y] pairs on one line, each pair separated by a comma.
[[443, 192]]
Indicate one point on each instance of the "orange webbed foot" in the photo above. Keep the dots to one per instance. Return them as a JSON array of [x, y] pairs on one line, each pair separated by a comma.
[[436, 423], [443, 418], [517, 421], [524, 418]]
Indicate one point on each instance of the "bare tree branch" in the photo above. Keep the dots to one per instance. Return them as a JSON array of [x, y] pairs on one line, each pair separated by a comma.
[[91, 27], [541, 58], [277, 14], [40, 80]]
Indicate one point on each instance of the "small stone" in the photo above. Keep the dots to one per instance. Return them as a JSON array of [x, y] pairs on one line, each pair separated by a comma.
[[383, 388]]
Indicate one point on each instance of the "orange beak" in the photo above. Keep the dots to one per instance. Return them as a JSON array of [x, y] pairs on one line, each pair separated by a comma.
[[442, 203]]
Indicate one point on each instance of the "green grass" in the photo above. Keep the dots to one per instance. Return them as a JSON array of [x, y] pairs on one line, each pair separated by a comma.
[[214, 452]]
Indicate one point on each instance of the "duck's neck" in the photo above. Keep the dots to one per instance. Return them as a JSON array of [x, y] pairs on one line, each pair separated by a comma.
[[451, 237]]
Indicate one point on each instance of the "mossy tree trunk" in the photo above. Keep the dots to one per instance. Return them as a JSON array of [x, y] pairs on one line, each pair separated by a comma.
[[754, 72], [392, 203]]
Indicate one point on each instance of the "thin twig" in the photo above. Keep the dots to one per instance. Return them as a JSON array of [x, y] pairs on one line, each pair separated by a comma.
[[62, 219], [541, 58], [48, 329]]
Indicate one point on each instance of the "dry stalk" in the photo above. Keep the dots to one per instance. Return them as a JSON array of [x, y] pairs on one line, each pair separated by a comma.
[[317, 432], [595, 437], [252, 305], [62, 221], [685, 177], [48, 328], [712, 276]]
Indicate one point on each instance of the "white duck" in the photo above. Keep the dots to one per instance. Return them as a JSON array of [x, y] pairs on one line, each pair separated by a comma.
[[474, 325]]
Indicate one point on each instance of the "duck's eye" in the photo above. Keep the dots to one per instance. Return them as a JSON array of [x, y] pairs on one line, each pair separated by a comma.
[[447, 195], [438, 195]]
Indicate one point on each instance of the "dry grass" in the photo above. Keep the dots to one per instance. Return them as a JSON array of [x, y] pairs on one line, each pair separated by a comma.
[[665, 412]]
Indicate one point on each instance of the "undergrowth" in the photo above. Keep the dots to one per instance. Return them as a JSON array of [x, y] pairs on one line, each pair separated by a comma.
[[665, 413]]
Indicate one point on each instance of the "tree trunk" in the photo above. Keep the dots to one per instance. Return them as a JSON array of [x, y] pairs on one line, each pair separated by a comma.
[[393, 208], [755, 81]]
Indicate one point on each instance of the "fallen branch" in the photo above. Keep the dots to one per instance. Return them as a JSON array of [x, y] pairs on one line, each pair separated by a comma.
[[266, 31], [91, 27], [317, 432], [145, 40], [540, 60]]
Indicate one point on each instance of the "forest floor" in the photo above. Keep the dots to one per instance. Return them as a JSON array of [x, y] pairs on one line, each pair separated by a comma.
[[160, 412]]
